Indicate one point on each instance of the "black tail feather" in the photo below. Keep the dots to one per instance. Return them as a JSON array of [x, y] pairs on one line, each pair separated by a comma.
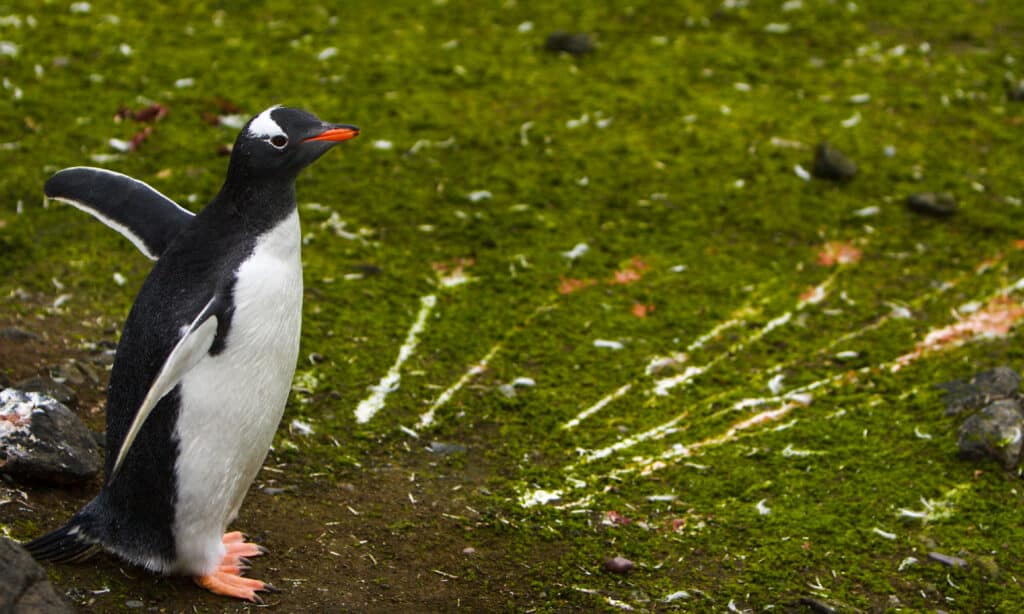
[[67, 544]]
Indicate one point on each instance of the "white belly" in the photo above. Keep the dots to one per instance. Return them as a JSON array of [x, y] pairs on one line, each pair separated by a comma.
[[231, 403]]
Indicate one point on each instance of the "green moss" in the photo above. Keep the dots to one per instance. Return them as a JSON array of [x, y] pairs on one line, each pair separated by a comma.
[[661, 184]]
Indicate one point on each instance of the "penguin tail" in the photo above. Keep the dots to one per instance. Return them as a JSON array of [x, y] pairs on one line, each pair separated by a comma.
[[68, 544]]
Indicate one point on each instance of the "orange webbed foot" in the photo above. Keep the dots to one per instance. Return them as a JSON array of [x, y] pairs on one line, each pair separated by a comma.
[[227, 579]]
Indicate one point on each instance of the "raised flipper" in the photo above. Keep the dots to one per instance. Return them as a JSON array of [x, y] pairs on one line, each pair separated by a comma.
[[143, 215], [194, 344]]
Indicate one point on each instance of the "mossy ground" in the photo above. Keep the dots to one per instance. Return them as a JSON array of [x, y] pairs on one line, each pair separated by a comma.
[[675, 142]]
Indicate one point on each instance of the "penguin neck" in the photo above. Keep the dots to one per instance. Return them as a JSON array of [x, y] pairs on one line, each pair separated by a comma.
[[257, 203]]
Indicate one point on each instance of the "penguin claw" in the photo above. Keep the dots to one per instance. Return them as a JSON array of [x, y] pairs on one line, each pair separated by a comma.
[[270, 588], [244, 549]]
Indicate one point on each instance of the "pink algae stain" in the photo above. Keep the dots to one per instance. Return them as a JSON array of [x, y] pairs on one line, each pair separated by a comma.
[[993, 320], [568, 285], [455, 265], [839, 252], [612, 518], [640, 310], [632, 272]]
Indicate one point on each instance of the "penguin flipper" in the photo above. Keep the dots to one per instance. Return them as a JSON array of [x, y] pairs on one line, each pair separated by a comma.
[[135, 209], [194, 344]]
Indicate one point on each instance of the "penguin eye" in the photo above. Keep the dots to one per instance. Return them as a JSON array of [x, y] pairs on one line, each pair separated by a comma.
[[279, 141]]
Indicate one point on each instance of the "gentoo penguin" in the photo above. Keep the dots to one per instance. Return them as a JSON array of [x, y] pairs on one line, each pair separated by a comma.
[[206, 357]]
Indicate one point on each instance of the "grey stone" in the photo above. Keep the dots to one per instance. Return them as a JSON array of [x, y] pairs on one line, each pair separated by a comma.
[[41, 439], [978, 391], [13, 333], [996, 431], [576, 44], [49, 387], [619, 565], [818, 606], [24, 586], [832, 164], [935, 204]]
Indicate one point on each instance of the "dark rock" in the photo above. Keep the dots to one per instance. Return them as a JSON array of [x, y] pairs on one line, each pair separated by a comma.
[[438, 447], [4, 380], [13, 333], [50, 387], [935, 204], [68, 374], [42, 439], [996, 431], [575, 44], [977, 392], [945, 559], [24, 586], [619, 565], [832, 164]]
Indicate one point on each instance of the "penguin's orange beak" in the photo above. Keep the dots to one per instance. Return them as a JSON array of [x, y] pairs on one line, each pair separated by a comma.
[[335, 133]]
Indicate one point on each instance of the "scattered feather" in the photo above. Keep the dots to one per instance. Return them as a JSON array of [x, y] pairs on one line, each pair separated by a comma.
[[577, 251], [881, 533], [298, 427]]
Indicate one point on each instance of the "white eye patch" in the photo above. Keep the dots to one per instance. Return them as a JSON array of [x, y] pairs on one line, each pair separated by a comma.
[[263, 126]]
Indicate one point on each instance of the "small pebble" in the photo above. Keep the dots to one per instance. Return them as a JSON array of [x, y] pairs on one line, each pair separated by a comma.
[[1015, 92], [945, 559], [469, 550], [619, 565], [574, 44], [133, 604], [832, 164], [438, 447], [941, 204]]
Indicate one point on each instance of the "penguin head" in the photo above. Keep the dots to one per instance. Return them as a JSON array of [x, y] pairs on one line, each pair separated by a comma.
[[280, 142]]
